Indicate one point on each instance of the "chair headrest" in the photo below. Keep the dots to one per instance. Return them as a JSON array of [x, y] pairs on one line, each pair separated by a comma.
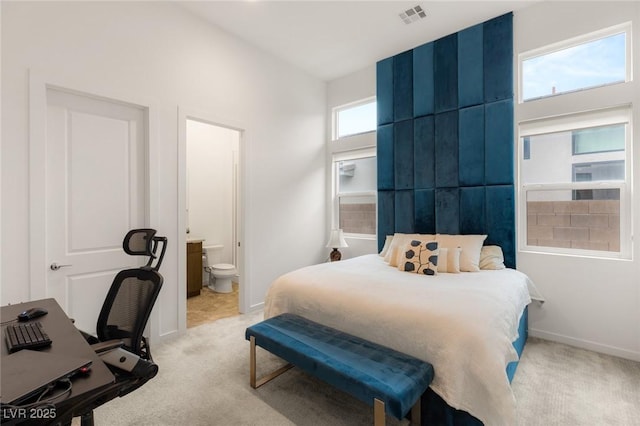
[[138, 242], [143, 242]]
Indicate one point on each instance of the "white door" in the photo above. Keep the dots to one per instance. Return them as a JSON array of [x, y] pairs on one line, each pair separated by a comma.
[[95, 192]]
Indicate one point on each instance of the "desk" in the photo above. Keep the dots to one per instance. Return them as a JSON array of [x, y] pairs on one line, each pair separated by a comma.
[[66, 340]]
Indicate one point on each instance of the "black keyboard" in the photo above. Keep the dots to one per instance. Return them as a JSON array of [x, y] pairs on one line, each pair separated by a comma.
[[26, 336]]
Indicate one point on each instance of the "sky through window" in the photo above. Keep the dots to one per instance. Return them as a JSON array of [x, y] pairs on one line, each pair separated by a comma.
[[586, 65]]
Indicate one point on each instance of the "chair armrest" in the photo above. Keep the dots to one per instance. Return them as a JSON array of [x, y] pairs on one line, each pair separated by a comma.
[[91, 339], [107, 346]]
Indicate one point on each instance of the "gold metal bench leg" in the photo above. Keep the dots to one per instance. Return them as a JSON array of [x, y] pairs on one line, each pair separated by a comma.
[[416, 413], [252, 367], [252, 362], [378, 413]]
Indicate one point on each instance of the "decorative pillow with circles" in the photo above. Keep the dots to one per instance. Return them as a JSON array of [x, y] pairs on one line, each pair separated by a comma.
[[395, 254], [420, 257]]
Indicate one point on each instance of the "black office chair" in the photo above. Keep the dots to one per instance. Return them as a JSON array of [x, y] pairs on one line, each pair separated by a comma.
[[120, 342], [133, 293]]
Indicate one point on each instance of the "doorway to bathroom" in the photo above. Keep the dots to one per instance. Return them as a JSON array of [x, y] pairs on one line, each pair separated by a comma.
[[212, 221]]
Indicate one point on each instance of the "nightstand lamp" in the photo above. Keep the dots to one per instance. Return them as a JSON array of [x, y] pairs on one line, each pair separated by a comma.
[[336, 240]]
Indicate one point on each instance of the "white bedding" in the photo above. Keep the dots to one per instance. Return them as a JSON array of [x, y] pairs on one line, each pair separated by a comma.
[[463, 324]]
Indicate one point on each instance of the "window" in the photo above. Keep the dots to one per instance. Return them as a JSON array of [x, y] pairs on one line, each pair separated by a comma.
[[574, 150], [594, 60], [598, 171], [575, 182], [526, 148], [354, 169], [356, 191], [355, 118], [598, 139]]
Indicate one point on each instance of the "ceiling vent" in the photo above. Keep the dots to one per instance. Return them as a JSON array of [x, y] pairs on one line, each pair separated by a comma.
[[412, 15]]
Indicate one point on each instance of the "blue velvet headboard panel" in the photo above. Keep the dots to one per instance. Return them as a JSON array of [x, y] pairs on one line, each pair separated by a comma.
[[497, 48], [445, 65], [445, 137], [384, 91], [403, 86], [423, 80], [470, 66]]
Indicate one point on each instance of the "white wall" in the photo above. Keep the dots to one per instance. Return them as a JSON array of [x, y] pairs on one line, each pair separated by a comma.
[[211, 152], [159, 53], [353, 87], [591, 303]]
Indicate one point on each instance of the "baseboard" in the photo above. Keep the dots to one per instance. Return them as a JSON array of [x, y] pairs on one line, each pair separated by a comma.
[[169, 336], [255, 307], [585, 344]]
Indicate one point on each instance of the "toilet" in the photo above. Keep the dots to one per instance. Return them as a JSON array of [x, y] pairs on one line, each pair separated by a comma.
[[220, 274]]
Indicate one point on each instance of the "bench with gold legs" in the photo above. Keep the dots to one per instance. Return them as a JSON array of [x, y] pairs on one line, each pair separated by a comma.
[[389, 380]]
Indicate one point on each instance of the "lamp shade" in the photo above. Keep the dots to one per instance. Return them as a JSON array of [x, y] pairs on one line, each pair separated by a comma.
[[336, 239]]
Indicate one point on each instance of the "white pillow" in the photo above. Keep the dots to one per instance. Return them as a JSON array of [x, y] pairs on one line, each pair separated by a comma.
[[470, 245], [398, 244], [387, 243], [449, 260], [398, 240], [419, 257], [491, 258]]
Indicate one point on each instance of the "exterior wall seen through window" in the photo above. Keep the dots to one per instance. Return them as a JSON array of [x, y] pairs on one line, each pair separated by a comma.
[[356, 195]]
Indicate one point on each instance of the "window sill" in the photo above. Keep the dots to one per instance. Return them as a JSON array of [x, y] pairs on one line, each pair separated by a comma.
[[367, 237], [582, 254]]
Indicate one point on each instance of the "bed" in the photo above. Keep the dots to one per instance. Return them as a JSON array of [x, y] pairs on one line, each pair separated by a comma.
[[465, 324]]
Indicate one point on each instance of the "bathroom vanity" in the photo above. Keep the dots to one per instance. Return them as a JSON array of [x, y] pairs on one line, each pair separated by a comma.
[[194, 267]]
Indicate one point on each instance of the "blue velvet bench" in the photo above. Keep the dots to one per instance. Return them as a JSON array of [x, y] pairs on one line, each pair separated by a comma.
[[389, 380]]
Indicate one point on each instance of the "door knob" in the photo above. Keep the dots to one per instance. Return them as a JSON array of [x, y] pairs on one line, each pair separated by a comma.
[[54, 266]]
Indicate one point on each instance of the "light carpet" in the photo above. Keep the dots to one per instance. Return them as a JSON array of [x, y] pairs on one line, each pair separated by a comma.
[[204, 380]]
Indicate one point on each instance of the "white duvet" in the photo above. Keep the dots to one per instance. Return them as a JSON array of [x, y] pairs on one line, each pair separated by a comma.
[[463, 324]]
